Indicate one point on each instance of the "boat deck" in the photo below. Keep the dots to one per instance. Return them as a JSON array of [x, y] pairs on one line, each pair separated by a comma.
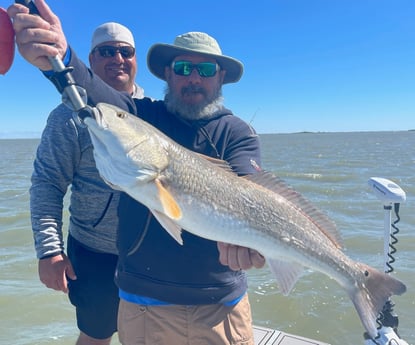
[[267, 336]]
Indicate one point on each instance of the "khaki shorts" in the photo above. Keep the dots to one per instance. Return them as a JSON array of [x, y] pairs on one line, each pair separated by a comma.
[[185, 325]]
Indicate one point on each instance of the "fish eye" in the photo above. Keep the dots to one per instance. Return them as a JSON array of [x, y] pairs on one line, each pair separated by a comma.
[[121, 115]]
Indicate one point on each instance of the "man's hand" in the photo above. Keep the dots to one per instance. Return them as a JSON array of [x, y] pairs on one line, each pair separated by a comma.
[[239, 258], [38, 37], [54, 270]]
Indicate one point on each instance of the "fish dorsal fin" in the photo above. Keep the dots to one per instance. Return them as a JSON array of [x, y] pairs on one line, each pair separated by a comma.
[[277, 185], [170, 206], [169, 225], [286, 274], [217, 162]]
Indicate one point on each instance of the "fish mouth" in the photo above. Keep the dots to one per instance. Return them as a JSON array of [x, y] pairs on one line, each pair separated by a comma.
[[96, 128], [99, 118], [86, 112], [93, 118]]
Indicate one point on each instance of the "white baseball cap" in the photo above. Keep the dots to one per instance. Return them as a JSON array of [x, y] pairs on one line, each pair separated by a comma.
[[111, 32]]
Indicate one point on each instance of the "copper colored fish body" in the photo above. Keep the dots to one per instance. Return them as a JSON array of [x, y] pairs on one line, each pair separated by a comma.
[[185, 190]]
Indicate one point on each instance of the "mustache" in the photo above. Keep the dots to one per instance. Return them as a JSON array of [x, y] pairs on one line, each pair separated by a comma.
[[193, 89]]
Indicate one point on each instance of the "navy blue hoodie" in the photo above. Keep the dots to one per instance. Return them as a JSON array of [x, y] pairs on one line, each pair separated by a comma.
[[151, 262]]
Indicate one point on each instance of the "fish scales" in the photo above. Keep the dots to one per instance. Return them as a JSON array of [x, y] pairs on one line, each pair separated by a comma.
[[186, 191], [272, 215]]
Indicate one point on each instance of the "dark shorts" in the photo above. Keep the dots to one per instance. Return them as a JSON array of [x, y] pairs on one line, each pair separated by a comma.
[[93, 293]]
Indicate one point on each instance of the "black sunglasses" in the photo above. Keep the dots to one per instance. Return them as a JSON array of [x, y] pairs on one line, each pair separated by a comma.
[[127, 52], [185, 68]]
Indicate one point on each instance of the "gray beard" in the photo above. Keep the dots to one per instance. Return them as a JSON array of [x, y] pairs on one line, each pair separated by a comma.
[[193, 112]]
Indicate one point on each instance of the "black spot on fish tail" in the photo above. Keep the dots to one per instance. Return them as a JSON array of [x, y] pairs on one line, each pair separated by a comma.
[[371, 292]]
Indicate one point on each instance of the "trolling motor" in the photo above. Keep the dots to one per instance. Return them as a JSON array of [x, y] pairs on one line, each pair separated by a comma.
[[391, 195]]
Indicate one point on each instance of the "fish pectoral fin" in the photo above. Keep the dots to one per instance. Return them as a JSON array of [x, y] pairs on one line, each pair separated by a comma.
[[169, 225], [170, 206], [286, 274]]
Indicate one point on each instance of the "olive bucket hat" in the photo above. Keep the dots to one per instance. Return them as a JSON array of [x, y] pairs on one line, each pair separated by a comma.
[[160, 55]]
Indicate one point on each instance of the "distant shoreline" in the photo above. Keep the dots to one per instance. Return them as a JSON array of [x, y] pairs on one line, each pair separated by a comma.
[[37, 135]]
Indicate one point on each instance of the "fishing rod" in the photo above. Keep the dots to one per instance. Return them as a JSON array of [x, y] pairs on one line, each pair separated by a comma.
[[391, 196], [72, 95]]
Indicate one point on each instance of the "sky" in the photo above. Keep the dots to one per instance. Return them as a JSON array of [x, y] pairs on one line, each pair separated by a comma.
[[309, 65]]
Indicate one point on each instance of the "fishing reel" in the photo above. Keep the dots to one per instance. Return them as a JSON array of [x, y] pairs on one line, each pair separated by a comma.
[[73, 96], [391, 195]]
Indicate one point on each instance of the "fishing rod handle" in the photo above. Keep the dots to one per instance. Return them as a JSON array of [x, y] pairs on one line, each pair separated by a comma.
[[58, 67], [30, 5]]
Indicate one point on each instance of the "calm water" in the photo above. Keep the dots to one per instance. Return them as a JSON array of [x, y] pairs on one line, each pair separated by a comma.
[[330, 169]]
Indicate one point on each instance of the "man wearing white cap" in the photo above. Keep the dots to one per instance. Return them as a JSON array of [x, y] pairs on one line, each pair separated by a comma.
[[171, 294], [112, 57], [64, 158]]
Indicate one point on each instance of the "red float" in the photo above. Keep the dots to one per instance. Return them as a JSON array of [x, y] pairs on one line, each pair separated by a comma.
[[6, 41]]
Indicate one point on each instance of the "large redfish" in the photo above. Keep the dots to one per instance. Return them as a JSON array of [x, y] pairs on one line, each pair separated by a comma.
[[187, 191]]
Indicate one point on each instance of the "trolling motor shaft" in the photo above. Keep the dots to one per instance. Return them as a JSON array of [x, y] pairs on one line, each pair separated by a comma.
[[390, 194]]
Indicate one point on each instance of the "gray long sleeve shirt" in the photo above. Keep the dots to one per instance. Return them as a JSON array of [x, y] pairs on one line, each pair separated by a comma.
[[65, 159]]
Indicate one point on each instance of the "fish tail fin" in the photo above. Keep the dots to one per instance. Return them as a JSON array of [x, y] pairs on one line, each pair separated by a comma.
[[370, 294]]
